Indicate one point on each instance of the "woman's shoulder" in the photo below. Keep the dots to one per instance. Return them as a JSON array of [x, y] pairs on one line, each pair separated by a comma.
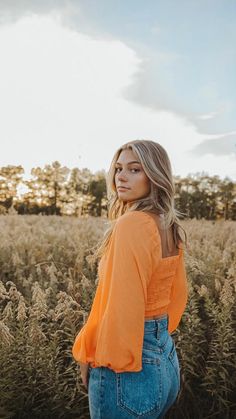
[[135, 223], [130, 218]]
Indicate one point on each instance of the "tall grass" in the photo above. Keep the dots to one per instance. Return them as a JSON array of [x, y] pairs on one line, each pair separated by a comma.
[[46, 291]]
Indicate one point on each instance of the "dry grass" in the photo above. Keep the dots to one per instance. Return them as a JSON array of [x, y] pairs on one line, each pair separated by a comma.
[[46, 291]]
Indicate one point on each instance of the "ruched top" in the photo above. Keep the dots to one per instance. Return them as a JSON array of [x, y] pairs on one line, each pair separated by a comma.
[[134, 282]]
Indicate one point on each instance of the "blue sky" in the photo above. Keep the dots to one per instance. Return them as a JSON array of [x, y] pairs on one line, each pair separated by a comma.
[[191, 51], [91, 75]]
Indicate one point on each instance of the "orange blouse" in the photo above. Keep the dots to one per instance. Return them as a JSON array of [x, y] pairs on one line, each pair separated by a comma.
[[134, 282]]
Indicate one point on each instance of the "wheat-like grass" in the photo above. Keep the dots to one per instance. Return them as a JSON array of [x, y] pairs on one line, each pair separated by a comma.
[[46, 291]]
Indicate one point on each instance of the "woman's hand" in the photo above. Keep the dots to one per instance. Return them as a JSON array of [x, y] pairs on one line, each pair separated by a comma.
[[84, 373]]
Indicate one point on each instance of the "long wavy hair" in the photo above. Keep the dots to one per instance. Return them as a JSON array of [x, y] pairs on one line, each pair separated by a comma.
[[156, 164]]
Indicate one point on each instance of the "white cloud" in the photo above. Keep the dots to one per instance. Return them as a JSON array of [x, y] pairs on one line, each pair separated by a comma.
[[210, 115], [62, 97]]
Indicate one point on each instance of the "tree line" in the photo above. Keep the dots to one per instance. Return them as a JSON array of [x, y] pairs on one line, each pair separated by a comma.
[[55, 189]]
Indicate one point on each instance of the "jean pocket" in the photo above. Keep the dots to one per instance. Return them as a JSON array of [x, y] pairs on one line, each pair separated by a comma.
[[156, 343], [140, 393], [174, 361]]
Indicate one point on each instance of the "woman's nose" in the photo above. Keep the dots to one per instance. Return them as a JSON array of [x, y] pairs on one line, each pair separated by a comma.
[[121, 175]]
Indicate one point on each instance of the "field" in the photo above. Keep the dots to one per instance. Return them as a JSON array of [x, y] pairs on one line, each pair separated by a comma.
[[46, 291]]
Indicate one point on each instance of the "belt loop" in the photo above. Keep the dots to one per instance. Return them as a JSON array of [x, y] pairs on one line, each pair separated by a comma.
[[157, 332]]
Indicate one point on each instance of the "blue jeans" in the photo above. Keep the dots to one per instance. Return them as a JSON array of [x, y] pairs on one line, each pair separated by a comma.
[[148, 393]]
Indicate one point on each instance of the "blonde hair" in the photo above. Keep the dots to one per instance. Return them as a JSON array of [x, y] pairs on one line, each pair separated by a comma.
[[156, 165]]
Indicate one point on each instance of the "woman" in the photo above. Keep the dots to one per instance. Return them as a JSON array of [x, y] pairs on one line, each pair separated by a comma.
[[126, 353]]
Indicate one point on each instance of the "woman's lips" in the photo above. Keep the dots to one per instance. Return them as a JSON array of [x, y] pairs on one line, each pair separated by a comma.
[[122, 188]]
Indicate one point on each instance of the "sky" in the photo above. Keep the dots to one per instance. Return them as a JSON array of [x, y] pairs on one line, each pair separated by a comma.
[[80, 78]]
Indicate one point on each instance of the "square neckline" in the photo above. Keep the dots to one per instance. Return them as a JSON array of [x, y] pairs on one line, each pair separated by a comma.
[[169, 258]]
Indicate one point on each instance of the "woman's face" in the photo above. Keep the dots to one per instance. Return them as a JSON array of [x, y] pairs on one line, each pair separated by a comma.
[[130, 174]]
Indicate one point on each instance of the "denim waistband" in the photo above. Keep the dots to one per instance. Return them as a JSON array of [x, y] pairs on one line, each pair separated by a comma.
[[157, 324]]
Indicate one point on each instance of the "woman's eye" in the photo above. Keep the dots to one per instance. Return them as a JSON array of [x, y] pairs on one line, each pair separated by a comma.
[[135, 170]]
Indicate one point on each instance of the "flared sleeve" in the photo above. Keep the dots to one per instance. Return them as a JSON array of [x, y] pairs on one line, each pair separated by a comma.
[[122, 329], [120, 314], [84, 346]]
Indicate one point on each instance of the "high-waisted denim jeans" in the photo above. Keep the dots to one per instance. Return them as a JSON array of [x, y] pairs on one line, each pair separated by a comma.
[[148, 393]]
